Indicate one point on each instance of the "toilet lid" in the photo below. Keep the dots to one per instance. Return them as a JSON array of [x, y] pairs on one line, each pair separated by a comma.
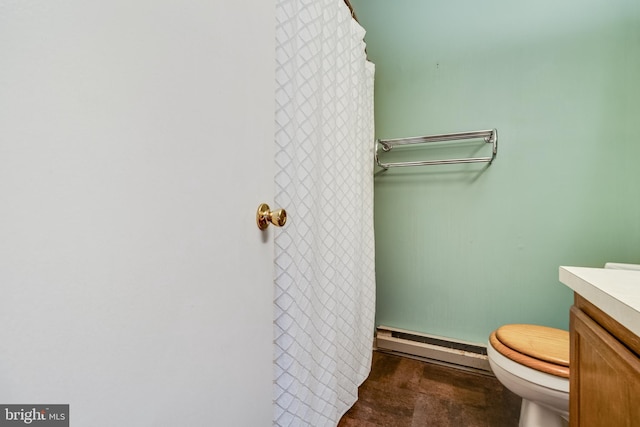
[[540, 342]]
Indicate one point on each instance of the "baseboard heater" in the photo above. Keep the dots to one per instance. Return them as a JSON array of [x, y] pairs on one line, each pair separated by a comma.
[[431, 347]]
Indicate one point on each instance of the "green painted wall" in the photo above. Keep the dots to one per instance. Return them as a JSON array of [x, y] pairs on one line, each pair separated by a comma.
[[463, 249]]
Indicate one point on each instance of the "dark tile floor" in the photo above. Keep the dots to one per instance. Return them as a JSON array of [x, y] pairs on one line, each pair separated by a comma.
[[403, 392]]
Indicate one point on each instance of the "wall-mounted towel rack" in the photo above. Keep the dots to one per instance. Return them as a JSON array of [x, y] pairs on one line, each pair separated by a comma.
[[490, 137]]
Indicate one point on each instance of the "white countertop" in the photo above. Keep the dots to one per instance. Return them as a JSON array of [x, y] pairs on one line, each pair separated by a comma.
[[616, 292]]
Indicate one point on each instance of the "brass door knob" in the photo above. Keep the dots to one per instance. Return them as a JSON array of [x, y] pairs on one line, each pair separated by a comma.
[[266, 216]]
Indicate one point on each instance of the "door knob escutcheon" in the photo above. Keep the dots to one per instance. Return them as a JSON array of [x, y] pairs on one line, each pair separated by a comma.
[[265, 215]]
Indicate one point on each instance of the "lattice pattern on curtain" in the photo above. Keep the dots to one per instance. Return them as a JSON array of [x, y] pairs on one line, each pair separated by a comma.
[[325, 280]]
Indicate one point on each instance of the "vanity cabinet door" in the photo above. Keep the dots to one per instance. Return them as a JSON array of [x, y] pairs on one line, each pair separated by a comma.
[[605, 377]]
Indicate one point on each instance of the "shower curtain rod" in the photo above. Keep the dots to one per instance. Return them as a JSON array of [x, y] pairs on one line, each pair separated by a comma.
[[490, 137]]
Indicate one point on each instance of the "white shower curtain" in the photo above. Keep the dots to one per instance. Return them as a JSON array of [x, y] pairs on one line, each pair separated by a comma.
[[325, 281]]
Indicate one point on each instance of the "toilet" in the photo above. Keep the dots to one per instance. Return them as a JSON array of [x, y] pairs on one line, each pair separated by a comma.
[[533, 362]]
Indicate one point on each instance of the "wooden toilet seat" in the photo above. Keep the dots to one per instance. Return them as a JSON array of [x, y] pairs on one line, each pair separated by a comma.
[[541, 348]]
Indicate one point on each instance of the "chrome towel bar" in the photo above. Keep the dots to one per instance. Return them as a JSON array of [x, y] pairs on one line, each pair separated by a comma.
[[490, 137]]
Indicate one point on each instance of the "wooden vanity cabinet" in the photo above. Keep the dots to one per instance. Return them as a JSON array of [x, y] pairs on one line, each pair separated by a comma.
[[605, 370]]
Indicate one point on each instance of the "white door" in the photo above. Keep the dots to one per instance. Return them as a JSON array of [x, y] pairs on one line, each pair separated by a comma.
[[135, 147]]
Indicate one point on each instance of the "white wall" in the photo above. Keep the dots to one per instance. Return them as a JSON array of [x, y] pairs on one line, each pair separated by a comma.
[[134, 285]]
